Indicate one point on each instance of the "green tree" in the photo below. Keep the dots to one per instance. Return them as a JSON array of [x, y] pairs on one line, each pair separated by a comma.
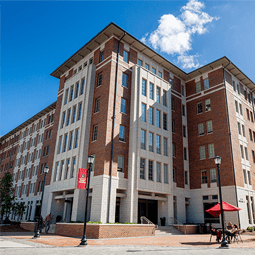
[[7, 198], [20, 209]]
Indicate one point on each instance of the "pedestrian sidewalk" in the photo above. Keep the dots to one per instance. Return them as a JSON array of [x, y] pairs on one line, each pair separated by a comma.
[[184, 241]]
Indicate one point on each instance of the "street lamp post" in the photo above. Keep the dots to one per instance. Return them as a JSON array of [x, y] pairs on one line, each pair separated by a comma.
[[84, 239], [224, 243], [37, 232]]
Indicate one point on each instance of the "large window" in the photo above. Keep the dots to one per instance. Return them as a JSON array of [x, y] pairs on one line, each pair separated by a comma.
[[147, 66], [158, 94], [151, 115], [164, 121], [79, 113], [76, 138], [213, 175], [101, 56], [202, 152], [151, 94], [73, 166], [150, 170], [140, 62], [74, 114], [124, 80], [99, 79], [186, 177], [71, 94], [123, 105], [209, 127], [201, 129], [151, 141], [82, 86], [97, 105], [143, 116], [144, 87], [68, 117], [158, 119], [206, 84], [142, 168], [125, 56], [143, 139], [165, 173], [63, 119], [199, 108], [65, 142], [66, 96], [204, 176], [70, 140], [198, 87], [165, 146], [120, 163], [207, 105], [164, 98], [77, 89], [211, 150], [94, 135], [158, 145], [122, 133], [242, 154], [158, 172]]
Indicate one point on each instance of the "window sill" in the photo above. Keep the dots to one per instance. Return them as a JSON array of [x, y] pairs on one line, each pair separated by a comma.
[[122, 141]]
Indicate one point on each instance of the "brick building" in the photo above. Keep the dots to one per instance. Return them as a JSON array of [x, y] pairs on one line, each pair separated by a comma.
[[153, 130]]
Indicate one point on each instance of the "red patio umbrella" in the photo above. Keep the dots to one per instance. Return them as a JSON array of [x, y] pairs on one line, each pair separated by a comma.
[[215, 210]]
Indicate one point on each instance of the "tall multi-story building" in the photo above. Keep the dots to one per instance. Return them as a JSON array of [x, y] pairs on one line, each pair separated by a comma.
[[154, 131], [25, 151]]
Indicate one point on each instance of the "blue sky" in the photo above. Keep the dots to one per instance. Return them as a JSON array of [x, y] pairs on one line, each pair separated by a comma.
[[36, 37]]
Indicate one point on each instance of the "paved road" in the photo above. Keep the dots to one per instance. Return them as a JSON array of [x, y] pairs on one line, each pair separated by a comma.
[[14, 247]]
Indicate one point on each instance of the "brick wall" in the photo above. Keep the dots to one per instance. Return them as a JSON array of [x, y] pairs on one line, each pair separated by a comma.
[[99, 231], [219, 137]]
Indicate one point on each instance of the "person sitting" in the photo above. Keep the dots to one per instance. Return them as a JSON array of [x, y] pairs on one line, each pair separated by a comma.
[[230, 232], [215, 232]]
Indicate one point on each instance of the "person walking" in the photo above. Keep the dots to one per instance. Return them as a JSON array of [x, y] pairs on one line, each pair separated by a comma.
[[48, 218]]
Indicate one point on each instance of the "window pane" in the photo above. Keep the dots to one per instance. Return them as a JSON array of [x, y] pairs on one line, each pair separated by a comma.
[[143, 137], [158, 118], [202, 152], [198, 87], [143, 116], [158, 150], [204, 176], [158, 172], [120, 163], [123, 105], [211, 150], [209, 127], [207, 105], [199, 108], [151, 142], [165, 147], [124, 80], [158, 95], [164, 98], [151, 117], [125, 56], [201, 129], [122, 134], [150, 171], [165, 173], [213, 175], [151, 91], [144, 85], [206, 84], [142, 168]]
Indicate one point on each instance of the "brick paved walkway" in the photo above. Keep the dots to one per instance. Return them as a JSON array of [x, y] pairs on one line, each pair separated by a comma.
[[177, 241]]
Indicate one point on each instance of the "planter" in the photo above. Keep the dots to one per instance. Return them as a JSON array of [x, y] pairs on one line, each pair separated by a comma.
[[30, 226], [100, 231]]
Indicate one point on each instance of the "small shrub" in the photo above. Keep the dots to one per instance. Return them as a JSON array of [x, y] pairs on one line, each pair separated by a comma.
[[251, 229]]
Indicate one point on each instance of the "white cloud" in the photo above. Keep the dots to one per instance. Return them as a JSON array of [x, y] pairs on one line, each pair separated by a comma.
[[188, 61], [174, 34]]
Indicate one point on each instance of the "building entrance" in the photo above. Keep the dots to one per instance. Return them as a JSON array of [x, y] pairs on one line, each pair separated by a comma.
[[149, 209]]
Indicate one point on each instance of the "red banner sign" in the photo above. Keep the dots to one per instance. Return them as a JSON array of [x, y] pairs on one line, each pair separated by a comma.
[[82, 178]]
